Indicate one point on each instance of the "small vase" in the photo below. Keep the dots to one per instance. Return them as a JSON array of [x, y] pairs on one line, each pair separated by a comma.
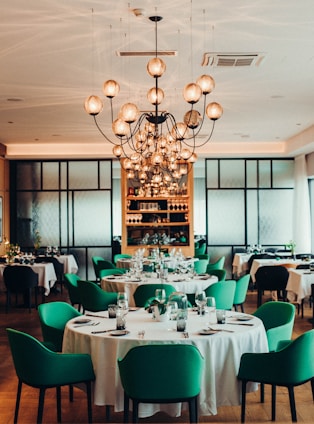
[[158, 316]]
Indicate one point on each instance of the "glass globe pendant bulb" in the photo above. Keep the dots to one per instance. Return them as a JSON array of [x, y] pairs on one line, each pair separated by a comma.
[[185, 154], [120, 128], [192, 119], [207, 83], [155, 97], [192, 93], [129, 113], [93, 105], [156, 158], [193, 158], [156, 67], [117, 151], [214, 111], [180, 131], [111, 88]]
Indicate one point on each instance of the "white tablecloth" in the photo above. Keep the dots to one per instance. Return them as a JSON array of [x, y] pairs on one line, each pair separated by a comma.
[[122, 283], [69, 263], [271, 262], [46, 275], [240, 263], [299, 284], [222, 353]]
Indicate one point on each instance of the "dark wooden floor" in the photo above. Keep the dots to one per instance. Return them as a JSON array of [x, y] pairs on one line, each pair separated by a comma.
[[20, 319]]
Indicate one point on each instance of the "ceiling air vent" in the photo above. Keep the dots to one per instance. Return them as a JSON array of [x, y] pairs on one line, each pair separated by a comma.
[[232, 60], [147, 53]]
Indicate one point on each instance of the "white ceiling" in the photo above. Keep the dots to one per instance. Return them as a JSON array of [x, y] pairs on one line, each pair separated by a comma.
[[56, 53]]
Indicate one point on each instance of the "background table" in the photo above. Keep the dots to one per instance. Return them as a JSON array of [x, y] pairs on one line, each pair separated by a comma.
[[46, 275], [271, 262], [222, 352], [299, 284], [69, 263], [120, 283], [240, 263]]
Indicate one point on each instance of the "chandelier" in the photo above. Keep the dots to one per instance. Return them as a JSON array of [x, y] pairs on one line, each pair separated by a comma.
[[154, 149]]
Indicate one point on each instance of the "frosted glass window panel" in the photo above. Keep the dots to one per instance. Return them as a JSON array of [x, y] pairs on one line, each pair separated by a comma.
[[116, 206], [283, 173], [225, 217], [252, 217], [28, 176], [105, 174], [311, 188], [264, 173], [92, 218], [199, 206], [275, 217], [64, 218], [212, 173], [64, 176], [232, 173], [251, 174], [83, 175], [50, 175]]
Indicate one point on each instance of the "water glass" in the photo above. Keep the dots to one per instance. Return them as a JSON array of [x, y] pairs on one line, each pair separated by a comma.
[[112, 311], [211, 310], [181, 321], [120, 320], [122, 302], [221, 316], [172, 310], [200, 300]]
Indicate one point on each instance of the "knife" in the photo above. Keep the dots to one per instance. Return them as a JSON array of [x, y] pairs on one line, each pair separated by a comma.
[[239, 323], [103, 331]]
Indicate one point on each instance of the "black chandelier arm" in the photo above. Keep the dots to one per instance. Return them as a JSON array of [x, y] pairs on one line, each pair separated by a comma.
[[104, 135], [196, 145]]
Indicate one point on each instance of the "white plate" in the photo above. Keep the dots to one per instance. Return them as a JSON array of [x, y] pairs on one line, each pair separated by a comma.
[[244, 318], [82, 321], [119, 333], [207, 332]]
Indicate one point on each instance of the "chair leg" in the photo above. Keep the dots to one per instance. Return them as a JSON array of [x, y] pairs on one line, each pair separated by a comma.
[[292, 404], [107, 413], [273, 402], [243, 401], [262, 392], [135, 411], [259, 297], [58, 393], [193, 412], [89, 401], [312, 385], [242, 308], [17, 403], [71, 393], [41, 401], [126, 409], [29, 300]]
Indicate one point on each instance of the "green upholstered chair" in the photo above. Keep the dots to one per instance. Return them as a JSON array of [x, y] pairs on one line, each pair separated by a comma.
[[118, 256], [200, 266], [101, 263], [53, 317], [178, 379], [219, 264], [70, 282], [111, 271], [289, 366], [242, 286], [219, 273], [200, 249], [203, 256], [223, 292], [41, 368], [93, 298], [144, 292]]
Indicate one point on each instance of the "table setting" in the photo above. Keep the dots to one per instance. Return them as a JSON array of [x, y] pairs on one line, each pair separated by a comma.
[[221, 342]]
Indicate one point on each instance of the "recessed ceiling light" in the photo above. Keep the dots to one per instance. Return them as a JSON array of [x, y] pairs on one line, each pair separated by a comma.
[[15, 99]]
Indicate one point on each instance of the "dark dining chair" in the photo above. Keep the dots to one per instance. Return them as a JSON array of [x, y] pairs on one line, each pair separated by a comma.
[[58, 267], [21, 279], [272, 278]]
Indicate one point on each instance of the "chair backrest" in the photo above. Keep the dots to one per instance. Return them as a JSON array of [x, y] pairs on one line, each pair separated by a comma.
[[178, 376], [93, 298], [278, 319], [258, 256], [70, 281], [53, 317], [271, 277], [111, 271], [223, 292], [241, 289], [200, 250], [18, 278], [203, 256], [145, 291], [101, 263], [219, 264], [200, 266], [118, 256], [219, 273]]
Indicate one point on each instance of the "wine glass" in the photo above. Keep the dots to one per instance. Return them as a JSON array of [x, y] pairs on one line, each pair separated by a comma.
[[123, 302], [172, 310], [211, 309], [200, 300]]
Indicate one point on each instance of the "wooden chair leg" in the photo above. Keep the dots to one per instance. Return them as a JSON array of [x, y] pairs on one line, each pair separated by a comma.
[[243, 401], [292, 404], [273, 402], [58, 393], [89, 401], [18, 399]]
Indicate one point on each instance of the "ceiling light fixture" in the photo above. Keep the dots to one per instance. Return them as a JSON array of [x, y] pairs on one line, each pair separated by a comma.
[[152, 145]]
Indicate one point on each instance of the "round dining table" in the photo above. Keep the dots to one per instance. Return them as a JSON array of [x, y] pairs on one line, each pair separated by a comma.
[[221, 349], [127, 283]]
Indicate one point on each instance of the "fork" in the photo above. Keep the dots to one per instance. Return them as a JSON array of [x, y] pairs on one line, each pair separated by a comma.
[[87, 324], [186, 334]]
